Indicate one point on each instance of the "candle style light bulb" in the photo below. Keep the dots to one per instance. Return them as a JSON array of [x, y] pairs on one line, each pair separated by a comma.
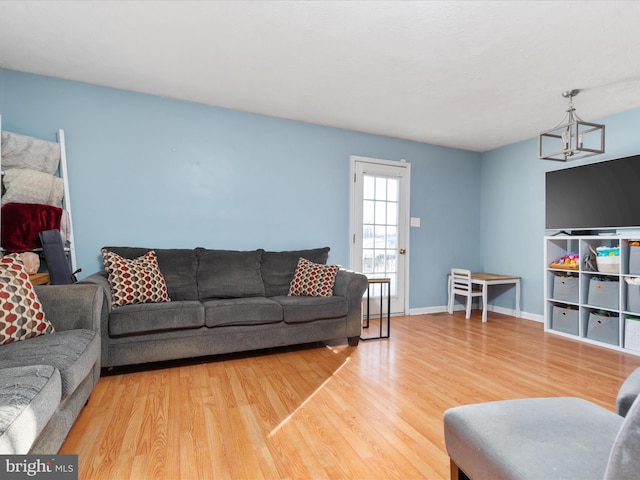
[[565, 139]]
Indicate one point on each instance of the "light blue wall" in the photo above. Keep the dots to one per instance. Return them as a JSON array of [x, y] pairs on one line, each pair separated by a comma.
[[513, 205], [445, 194], [155, 172]]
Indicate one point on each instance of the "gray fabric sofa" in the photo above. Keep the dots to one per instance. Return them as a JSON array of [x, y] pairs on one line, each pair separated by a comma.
[[45, 381], [225, 301], [546, 438]]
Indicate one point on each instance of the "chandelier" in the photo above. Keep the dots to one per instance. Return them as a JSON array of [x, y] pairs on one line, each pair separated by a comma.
[[573, 138]]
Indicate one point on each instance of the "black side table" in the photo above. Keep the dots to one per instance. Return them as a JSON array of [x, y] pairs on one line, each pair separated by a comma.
[[382, 282]]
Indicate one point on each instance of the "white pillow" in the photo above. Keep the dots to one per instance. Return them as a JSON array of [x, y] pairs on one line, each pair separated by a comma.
[[24, 185]]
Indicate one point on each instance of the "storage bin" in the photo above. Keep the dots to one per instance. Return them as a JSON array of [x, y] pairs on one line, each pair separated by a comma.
[[609, 264], [634, 260], [632, 333], [604, 328], [565, 288], [633, 297], [564, 319], [603, 293]]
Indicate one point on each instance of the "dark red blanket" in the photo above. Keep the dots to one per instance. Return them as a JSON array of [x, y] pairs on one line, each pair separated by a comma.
[[22, 222]]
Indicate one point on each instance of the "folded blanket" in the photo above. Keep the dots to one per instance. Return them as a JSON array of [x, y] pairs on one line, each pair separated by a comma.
[[23, 185], [23, 222], [21, 151]]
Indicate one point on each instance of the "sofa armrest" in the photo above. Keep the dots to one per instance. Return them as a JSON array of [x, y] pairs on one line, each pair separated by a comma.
[[101, 280], [69, 307], [628, 392], [352, 285]]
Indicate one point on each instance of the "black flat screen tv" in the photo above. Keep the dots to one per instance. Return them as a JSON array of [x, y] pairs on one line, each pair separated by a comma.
[[597, 196]]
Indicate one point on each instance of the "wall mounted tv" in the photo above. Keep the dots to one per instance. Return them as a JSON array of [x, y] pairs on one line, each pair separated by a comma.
[[597, 196]]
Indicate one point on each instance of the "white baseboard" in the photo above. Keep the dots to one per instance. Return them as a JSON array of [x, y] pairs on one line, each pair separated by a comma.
[[427, 310], [505, 311]]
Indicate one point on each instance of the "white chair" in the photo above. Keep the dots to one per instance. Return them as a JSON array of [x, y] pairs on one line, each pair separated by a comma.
[[460, 284]]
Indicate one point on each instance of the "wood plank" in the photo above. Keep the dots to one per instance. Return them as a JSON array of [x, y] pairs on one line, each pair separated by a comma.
[[330, 411], [39, 278]]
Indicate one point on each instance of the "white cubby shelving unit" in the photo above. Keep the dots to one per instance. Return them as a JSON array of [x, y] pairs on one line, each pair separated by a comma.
[[598, 307]]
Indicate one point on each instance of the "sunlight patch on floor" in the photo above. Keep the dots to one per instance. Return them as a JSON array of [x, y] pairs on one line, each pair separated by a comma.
[[320, 387]]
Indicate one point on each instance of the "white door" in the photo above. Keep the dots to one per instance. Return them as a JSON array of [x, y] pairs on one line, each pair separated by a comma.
[[380, 206]]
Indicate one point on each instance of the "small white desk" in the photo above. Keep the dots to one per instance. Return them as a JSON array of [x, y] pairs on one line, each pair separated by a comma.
[[487, 279]]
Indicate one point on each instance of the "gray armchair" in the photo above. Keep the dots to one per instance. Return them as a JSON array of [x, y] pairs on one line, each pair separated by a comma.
[[546, 438]]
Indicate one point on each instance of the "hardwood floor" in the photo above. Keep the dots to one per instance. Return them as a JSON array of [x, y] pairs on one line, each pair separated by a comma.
[[374, 411]]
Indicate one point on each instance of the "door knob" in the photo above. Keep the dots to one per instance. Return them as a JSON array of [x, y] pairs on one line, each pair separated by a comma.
[[402, 251]]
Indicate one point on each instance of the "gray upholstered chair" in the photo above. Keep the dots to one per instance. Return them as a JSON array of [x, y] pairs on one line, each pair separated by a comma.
[[546, 438]]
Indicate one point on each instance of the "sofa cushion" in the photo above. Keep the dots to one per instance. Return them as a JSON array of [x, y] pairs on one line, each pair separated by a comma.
[[229, 274], [29, 396], [155, 317], [72, 352], [313, 279], [277, 268], [21, 315], [178, 266], [137, 280], [531, 438], [241, 311], [306, 309]]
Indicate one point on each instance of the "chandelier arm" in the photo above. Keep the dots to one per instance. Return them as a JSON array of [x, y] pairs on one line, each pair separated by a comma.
[[577, 117], [564, 122]]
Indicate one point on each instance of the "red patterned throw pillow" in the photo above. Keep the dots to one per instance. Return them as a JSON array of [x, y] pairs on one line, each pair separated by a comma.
[[313, 279], [21, 314], [135, 281]]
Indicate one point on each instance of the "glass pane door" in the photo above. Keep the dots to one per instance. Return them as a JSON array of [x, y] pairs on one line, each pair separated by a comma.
[[380, 203]]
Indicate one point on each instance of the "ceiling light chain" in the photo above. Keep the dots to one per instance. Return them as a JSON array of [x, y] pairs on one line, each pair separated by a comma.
[[572, 138]]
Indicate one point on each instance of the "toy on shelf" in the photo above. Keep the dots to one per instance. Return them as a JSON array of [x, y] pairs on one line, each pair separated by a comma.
[[568, 262]]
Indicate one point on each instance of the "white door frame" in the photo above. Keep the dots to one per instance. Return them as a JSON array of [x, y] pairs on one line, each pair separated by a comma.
[[406, 199]]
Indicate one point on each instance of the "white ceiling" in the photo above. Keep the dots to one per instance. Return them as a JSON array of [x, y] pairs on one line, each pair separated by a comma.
[[474, 75]]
